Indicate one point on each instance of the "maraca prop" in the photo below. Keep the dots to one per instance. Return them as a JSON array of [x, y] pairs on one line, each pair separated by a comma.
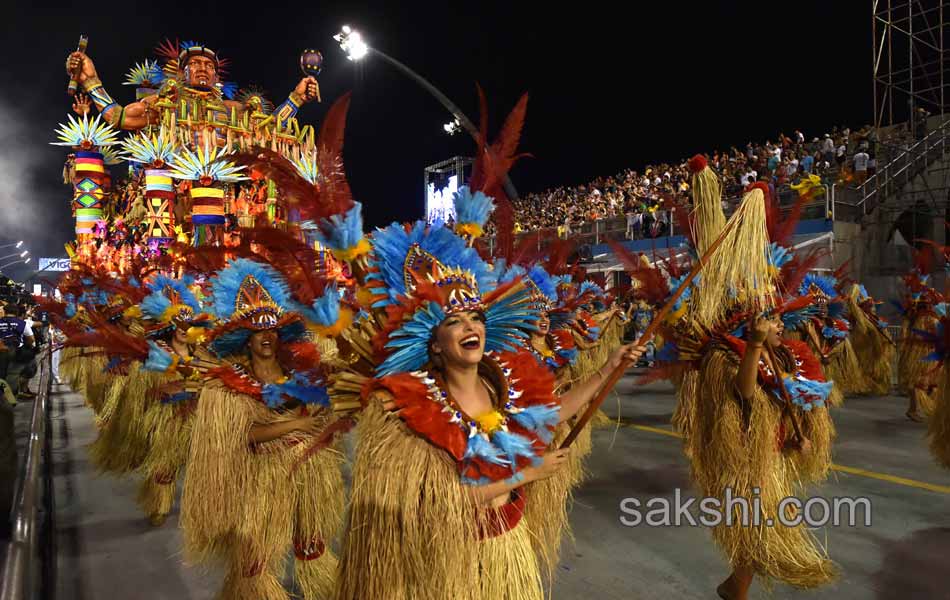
[[74, 80], [311, 64]]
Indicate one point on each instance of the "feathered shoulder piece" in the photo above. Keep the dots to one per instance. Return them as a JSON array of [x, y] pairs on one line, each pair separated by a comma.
[[490, 447]]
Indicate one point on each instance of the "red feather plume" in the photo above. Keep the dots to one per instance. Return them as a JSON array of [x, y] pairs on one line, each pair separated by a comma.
[[654, 287]]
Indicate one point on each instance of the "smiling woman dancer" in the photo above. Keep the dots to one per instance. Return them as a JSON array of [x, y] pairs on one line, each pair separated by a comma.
[[252, 486], [455, 428]]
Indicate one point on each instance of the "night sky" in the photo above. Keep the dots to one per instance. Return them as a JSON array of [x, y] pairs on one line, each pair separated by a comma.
[[610, 88]]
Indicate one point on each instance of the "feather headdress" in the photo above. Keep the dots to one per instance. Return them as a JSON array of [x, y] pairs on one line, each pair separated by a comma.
[[250, 296]]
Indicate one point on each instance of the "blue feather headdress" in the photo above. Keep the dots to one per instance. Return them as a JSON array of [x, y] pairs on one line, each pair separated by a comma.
[[172, 304], [249, 297], [421, 275], [389, 280], [819, 285]]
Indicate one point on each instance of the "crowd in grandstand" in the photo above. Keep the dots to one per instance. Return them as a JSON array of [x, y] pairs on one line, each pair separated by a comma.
[[643, 197]]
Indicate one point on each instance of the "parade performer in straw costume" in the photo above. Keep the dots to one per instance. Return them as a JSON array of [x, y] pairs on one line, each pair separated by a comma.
[[920, 306], [455, 428], [176, 325], [263, 471], [876, 351], [746, 409], [827, 333], [936, 344]]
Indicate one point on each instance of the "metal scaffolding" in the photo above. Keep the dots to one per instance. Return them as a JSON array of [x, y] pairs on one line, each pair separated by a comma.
[[908, 60]]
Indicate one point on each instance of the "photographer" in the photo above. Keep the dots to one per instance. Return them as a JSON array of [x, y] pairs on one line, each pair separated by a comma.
[[19, 351]]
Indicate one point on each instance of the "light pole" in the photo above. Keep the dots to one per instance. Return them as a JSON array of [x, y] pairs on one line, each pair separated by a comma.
[[356, 48], [13, 262], [20, 254]]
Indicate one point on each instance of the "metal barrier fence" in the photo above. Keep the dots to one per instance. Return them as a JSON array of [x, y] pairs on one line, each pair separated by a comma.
[[23, 577]]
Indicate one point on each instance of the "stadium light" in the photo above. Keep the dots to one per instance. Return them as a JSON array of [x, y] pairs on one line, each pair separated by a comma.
[[16, 245], [16, 254], [352, 43], [13, 262], [452, 127]]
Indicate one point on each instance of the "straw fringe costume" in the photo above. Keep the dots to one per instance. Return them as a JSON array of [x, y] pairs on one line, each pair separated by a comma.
[[410, 516], [171, 306], [414, 530], [922, 307], [740, 444], [730, 449], [938, 426], [935, 344], [247, 503], [876, 352], [123, 440]]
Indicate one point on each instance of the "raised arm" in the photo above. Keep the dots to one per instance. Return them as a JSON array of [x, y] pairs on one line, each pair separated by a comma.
[[132, 116]]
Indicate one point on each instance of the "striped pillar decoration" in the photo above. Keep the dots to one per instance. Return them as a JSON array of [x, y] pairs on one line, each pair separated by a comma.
[[88, 193], [207, 206], [159, 199]]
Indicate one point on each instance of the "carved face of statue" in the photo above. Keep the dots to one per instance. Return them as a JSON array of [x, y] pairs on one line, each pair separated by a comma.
[[201, 71]]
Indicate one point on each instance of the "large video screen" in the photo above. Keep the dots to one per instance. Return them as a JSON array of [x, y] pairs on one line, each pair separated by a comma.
[[439, 206]]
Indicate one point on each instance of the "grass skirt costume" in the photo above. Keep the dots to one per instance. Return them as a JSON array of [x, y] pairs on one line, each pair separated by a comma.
[[938, 426], [741, 448], [741, 444], [936, 344], [876, 352], [171, 306], [247, 504], [123, 440], [915, 374], [414, 530]]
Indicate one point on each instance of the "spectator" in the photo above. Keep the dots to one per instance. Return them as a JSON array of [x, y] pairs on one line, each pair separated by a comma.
[[17, 358], [642, 192], [808, 163], [634, 222], [860, 162], [828, 148], [841, 154], [791, 166]]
